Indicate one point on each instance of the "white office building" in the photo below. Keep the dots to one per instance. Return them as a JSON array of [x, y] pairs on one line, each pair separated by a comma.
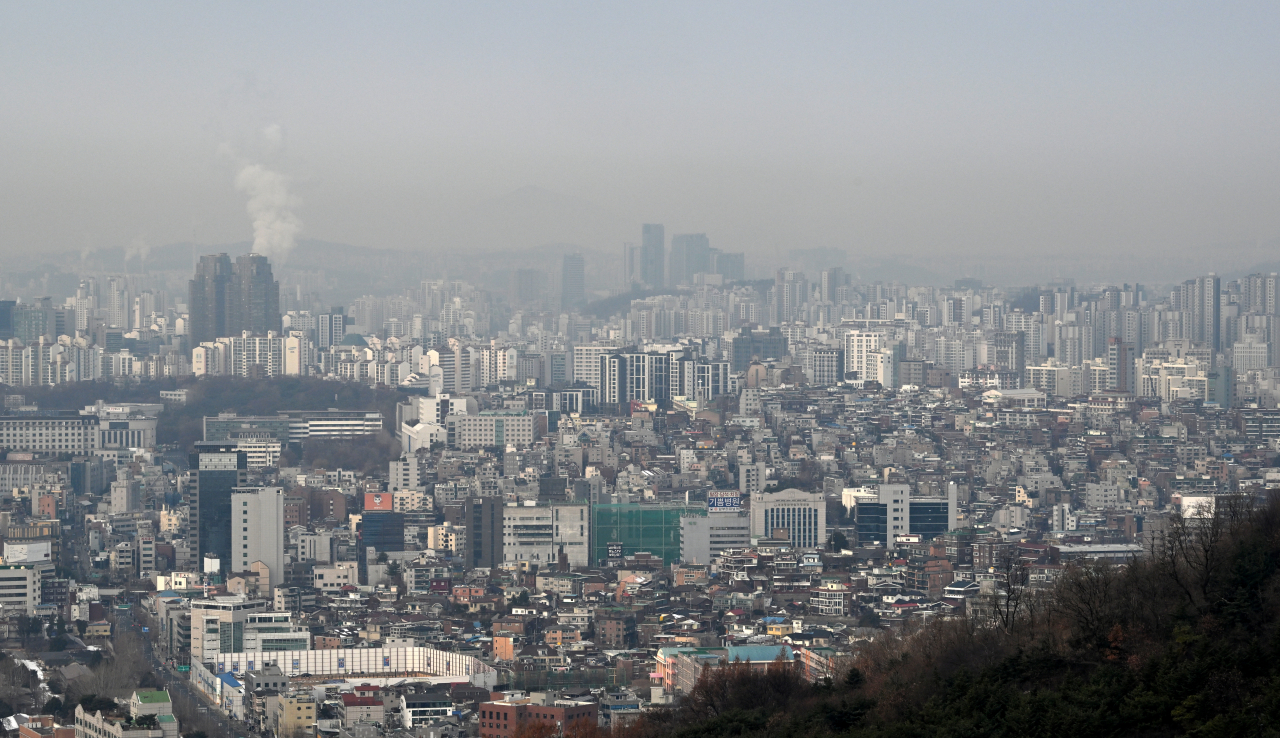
[[704, 537], [491, 428], [213, 625], [257, 530], [19, 588], [802, 515], [536, 533], [62, 432]]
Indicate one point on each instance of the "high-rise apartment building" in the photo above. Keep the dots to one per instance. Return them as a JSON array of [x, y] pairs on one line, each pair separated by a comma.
[[118, 302], [7, 308], [331, 328], [690, 255], [629, 271], [573, 286], [1200, 299], [226, 300], [861, 349], [790, 290], [482, 517], [1004, 350], [731, 266], [832, 280], [586, 363], [257, 530], [207, 300], [698, 379], [653, 254], [256, 304], [643, 377], [1120, 365], [1209, 316], [749, 345]]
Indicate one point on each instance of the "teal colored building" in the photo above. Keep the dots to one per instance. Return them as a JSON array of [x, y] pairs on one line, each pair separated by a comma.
[[638, 527]]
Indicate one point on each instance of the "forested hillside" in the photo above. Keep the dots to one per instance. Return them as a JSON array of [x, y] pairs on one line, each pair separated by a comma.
[[182, 425], [1183, 642]]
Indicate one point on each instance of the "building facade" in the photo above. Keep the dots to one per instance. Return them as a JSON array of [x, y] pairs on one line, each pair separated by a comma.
[[803, 515]]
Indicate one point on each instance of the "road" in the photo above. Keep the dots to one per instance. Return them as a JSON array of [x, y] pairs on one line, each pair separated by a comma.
[[180, 686]]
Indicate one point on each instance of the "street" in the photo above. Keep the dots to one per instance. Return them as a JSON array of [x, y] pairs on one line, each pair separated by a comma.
[[179, 686]]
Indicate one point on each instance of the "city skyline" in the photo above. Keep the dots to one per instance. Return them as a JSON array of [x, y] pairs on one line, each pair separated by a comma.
[[1083, 139], [573, 370]]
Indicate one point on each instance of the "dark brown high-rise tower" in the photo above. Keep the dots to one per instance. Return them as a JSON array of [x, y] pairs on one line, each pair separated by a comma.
[[226, 300], [208, 316], [257, 297]]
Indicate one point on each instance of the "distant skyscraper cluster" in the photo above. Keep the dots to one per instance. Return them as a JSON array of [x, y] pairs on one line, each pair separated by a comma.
[[226, 299], [691, 257], [699, 330]]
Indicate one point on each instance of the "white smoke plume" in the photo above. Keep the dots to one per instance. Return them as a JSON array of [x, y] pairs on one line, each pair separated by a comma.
[[275, 227], [139, 249]]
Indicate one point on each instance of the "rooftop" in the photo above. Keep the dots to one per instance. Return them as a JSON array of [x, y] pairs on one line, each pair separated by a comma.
[[152, 698]]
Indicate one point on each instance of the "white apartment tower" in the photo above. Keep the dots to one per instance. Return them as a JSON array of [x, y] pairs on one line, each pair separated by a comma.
[[751, 477], [586, 363], [862, 352], [404, 474]]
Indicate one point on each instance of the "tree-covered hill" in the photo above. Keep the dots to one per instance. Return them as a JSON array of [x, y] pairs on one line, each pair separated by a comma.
[[1182, 642], [182, 425]]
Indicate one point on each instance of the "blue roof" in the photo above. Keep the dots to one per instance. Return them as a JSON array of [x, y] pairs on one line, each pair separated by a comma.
[[229, 680], [774, 620]]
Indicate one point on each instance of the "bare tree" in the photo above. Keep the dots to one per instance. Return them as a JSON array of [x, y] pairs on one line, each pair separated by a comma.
[[1193, 549], [1087, 596], [19, 687]]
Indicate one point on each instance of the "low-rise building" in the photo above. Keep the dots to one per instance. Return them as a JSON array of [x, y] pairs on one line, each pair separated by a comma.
[[502, 718]]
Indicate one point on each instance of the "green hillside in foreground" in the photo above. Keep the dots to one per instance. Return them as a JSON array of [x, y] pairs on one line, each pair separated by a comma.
[[1182, 642]]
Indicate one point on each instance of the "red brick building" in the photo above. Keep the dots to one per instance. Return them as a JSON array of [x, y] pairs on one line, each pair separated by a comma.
[[502, 719]]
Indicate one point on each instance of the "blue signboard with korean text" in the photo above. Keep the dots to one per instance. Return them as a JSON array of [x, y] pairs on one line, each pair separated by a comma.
[[724, 500]]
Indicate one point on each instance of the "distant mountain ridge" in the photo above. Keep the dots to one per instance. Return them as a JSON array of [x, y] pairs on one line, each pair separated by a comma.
[[348, 271]]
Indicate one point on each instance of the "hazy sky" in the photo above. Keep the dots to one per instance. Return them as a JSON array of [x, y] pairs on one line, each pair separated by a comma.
[[945, 133]]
